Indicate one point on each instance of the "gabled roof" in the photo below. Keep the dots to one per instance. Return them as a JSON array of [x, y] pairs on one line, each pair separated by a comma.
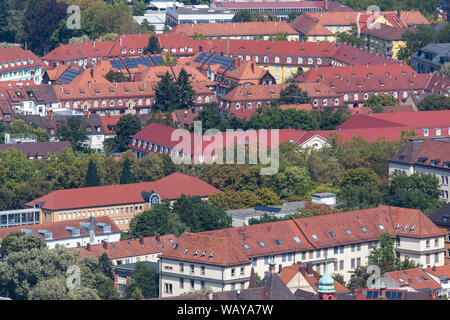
[[17, 55], [170, 187], [432, 152], [416, 279], [37, 148], [442, 216], [128, 248]]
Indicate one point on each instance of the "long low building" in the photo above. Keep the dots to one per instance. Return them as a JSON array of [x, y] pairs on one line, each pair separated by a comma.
[[223, 259], [71, 234], [119, 202]]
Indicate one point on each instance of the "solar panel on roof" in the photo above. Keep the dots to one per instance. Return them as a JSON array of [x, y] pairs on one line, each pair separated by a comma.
[[372, 294], [268, 209], [69, 75]]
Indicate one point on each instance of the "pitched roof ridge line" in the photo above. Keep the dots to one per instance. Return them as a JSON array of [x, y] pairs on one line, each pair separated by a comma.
[[299, 228]]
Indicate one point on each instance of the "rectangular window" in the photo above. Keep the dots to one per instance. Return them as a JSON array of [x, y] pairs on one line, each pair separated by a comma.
[[353, 263], [192, 284], [428, 259], [181, 283], [358, 262], [436, 242], [168, 288], [336, 250], [242, 271], [341, 249], [283, 257], [341, 265], [233, 273], [358, 247], [181, 267], [436, 258], [202, 268], [318, 254], [303, 256], [289, 255], [192, 268]]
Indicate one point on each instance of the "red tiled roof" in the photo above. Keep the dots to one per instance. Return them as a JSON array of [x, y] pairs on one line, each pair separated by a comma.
[[413, 278], [222, 29], [439, 272], [288, 273], [273, 4], [59, 228], [128, 248], [17, 54], [78, 51], [169, 187], [108, 122], [205, 249], [420, 119], [310, 26]]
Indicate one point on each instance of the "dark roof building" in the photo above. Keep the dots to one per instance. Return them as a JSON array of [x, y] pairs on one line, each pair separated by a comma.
[[37, 150], [431, 57]]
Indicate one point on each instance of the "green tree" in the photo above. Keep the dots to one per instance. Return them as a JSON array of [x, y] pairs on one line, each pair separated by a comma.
[[139, 8], [359, 176], [243, 16], [359, 278], [339, 278], [434, 102], [416, 192], [280, 36], [19, 241], [20, 127], [145, 279], [292, 16], [199, 215], [381, 101], [445, 70], [153, 46], [153, 167], [186, 93], [127, 126], [118, 76], [350, 37], [159, 219], [92, 177], [293, 94], [72, 131], [166, 94], [126, 176]]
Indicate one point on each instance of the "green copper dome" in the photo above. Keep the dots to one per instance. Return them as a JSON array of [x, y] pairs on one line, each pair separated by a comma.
[[326, 283]]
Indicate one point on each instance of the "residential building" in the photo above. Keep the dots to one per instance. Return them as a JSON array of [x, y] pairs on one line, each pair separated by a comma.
[[324, 198], [71, 234], [17, 64], [124, 252], [241, 217], [281, 58], [38, 150], [238, 30], [194, 15], [416, 280], [304, 277], [441, 218], [425, 156], [385, 40], [119, 202], [442, 276], [431, 57], [222, 259], [280, 9], [244, 101]]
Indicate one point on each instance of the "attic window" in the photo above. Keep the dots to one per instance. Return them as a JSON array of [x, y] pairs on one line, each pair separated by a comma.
[[246, 247], [278, 242], [422, 160], [297, 239], [406, 227], [203, 254], [262, 244], [196, 253], [398, 226], [381, 227], [364, 229], [314, 236], [413, 228], [435, 162], [401, 157], [348, 232], [211, 255], [332, 234], [186, 251]]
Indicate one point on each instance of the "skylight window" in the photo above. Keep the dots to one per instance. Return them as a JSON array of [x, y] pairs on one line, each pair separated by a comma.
[[398, 226], [381, 227], [425, 278], [246, 246], [196, 253], [364, 229], [348, 232], [262, 244], [413, 228], [211, 255], [297, 239], [186, 251], [314, 236], [278, 242], [332, 234], [203, 254], [175, 247]]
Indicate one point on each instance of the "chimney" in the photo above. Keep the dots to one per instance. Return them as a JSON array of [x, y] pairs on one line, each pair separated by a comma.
[[434, 268], [309, 268], [88, 247], [158, 238], [105, 245], [141, 240], [326, 5]]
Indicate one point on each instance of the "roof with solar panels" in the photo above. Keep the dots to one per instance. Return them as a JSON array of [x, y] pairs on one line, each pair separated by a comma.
[[133, 63]]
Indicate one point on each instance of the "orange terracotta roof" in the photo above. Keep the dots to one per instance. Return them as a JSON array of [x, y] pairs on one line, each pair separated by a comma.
[[415, 278], [128, 248], [222, 29], [169, 187]]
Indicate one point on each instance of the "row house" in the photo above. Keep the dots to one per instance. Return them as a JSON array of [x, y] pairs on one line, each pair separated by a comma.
[[244, 101], [425, 156], [37, 150], [223, 259], [263, 30], [281, 59], [71, 234], [129, 251], [357, 87], [30, 100], [113, 98], [229, 73], [17, 64], [121, 203]]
